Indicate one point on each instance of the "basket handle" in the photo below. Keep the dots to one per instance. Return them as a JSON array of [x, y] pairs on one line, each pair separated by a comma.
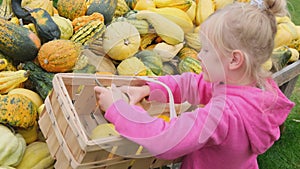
[[171, 98]]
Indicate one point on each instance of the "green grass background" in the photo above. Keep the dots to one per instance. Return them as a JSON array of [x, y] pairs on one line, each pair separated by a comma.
[[285, 153]]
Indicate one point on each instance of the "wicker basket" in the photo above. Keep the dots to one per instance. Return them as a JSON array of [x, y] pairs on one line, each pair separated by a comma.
[[71, 113]]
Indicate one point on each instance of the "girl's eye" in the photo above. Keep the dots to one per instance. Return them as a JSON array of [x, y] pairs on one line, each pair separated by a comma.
[[204, 50]]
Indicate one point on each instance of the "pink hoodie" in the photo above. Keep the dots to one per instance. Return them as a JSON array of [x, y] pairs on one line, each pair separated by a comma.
[[236, 124]]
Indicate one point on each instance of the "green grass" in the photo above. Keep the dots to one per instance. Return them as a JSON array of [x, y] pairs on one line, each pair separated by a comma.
[[285, 153], [294, 8]]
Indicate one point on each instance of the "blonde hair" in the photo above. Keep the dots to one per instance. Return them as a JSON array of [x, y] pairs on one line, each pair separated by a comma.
[[249, 28]]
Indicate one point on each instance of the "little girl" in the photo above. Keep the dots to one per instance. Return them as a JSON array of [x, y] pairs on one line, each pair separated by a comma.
[[243, 105]]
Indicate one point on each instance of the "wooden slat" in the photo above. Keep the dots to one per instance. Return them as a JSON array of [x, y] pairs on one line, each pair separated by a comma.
[[287, 73]]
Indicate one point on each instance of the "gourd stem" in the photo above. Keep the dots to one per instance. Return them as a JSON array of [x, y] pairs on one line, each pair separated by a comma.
[[126, 42]]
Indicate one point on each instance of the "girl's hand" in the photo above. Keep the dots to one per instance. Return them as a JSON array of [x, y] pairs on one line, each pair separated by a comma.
[[107, 96], [136, 93]]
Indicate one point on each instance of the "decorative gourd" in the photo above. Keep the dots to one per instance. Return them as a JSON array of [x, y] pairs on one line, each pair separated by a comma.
[[121, 8], [280, 57], [37, 155], [169, 68], [152, 60], [12, 147], [141, 25], [169, 31], [17, 110], [131, 3], [87, 69], [33, 4], [132, 67], [9, 65], [187, 51], [176, 15], [78, 22], [65, 26], [101, 63], [59, 55], [193, 40], [39, 80], [105, 7], [17, 42], [5, 9], [30, 134], [3, 63], [121, 40], [46, 28], [33, 96], [144, 4], [12, 79], [147, 40], [88, 32], [167, 51], [71, 9], [189, 64], [180, 4]]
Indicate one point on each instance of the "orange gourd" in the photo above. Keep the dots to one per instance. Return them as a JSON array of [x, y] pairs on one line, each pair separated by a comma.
[[71, 9], [59, 55]]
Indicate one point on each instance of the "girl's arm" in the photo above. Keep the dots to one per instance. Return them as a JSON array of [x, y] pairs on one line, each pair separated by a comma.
[[185, 87], [169, 140]]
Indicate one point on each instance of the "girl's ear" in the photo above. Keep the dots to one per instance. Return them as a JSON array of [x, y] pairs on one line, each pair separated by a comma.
[[237, 59]]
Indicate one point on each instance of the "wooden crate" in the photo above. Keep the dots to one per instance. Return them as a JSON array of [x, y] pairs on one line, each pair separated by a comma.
[[69, 116]]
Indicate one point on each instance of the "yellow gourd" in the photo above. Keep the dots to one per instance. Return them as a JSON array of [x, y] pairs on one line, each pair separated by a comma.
[[121, 40], [132, 67]]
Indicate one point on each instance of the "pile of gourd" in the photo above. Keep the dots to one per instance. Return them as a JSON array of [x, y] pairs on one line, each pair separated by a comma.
[[119, 37]]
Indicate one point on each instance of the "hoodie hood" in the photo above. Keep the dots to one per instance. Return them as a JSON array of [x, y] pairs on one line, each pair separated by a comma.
[[270, 110]]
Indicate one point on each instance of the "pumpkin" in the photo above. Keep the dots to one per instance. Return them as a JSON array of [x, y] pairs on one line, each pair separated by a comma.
[[59, 55], [37, 155], [17, 110], [121, 40], [105, 7], [46, 28], [152, 60], [83, 20], [65, 26], [33, 4], [12, 147], [132, 67], [17, 42], [71, 9]]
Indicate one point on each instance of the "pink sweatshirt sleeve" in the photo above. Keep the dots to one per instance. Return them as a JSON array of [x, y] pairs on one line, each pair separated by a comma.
[[185, 87], [169, 140]]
